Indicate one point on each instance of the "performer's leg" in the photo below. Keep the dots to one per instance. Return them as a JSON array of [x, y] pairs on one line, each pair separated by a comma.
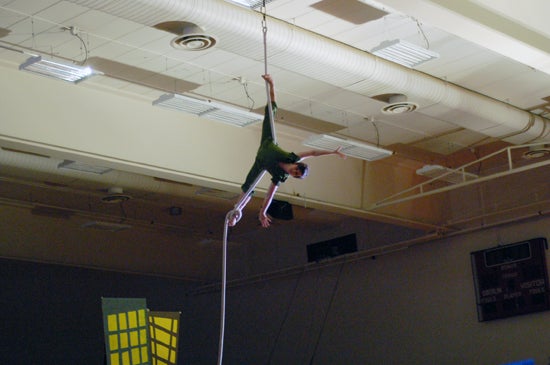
[[267, 131]]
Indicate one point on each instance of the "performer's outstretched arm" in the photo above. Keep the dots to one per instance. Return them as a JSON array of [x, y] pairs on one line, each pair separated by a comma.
[[262, 216], [316, 153]]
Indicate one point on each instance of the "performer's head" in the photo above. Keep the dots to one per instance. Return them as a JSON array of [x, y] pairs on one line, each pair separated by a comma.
[[299, 170]]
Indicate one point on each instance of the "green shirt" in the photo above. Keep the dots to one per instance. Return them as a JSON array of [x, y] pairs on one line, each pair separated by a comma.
[[269, 156]]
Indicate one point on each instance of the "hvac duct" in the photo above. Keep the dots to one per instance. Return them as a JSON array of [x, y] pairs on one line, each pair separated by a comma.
[[354, 70]]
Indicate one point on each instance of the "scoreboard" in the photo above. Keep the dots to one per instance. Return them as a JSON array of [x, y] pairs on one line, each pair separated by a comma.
[[511, 280]]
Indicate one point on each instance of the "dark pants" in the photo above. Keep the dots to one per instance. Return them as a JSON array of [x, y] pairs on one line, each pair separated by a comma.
[[267, 134]]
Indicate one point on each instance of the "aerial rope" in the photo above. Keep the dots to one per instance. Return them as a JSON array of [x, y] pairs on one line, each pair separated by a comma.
[[235, 213], [269, 107]]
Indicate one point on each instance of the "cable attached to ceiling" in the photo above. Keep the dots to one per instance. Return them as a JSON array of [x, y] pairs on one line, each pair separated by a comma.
[[76, 33], [235, 214]]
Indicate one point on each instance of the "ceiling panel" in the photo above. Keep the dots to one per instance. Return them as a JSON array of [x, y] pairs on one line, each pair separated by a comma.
[[24, 28], [417, 122], [312, 19], [148, 61], [10, 17], [142, 36], [528, 85], [30, 6], [111, 50], [288, 9], [91, 21], [350, 102], [117, 28], [140, 58], [61, 12]]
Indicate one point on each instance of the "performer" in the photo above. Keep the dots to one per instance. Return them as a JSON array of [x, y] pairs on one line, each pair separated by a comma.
[[278, 162]]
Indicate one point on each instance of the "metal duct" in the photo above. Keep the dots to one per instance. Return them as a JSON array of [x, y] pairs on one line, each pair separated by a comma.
[[354, 70]]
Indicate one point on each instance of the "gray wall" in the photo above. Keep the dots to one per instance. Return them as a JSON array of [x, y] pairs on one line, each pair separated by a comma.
[[415, 306]]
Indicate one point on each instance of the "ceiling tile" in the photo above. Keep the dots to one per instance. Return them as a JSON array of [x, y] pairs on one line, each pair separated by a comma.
[[9, 18], [27, 29], [142, 36], [111, 50], [312, 19], [160, 45], [137, 57], [30, 7], [417, 122], [91, 21], [117, 29], [288, 9], [62, 12]]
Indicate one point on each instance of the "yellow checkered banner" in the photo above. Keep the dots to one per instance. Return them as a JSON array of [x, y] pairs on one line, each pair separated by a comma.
[[164, 329], [126, 328]]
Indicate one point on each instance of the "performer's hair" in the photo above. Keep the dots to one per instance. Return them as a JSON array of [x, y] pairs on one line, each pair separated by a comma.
[[304, 169]]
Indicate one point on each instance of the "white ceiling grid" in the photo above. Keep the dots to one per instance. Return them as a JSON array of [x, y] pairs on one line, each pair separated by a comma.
[[216, 70]]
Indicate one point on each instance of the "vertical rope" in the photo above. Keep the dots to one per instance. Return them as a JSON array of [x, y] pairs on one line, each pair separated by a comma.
[[240, 204], [269, 107], [223, 289]]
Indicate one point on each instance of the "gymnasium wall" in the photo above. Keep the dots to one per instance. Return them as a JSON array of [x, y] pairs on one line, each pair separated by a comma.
[[415, 306]]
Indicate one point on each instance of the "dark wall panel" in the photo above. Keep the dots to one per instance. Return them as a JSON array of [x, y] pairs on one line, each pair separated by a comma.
[[51, 314]]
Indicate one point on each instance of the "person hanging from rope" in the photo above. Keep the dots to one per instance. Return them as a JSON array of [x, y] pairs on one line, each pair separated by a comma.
[[278, 162]]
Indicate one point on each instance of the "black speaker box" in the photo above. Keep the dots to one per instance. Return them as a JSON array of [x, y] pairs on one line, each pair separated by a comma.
[[332, 248], [280, 210]]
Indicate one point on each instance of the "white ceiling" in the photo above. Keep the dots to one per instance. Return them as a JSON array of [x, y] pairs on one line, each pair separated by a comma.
[[492, 75], [330, 91]]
